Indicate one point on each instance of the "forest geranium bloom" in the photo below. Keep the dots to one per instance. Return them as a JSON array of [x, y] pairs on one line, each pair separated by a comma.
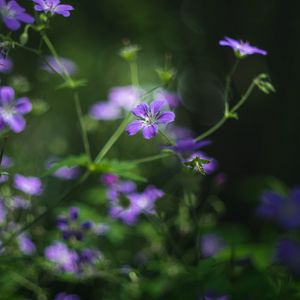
[[171, 99], [64, 258], [13, 14], [241, 48], [149, 117], [105, 111], [25, 244], [211, 244], [12, 111], [29, 185], [53, 7], [284, 210]]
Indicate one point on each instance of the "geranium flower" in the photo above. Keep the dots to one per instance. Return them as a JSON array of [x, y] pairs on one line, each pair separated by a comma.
[[149, 117], [12, 110], [241, 48], [13, 14], [29, 185], [53, 7]]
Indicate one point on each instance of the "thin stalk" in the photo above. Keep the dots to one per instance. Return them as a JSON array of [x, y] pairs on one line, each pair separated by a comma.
[[245, 97], [150, 158], [166, 137], [82, 127], [211, 130], [134, 73]]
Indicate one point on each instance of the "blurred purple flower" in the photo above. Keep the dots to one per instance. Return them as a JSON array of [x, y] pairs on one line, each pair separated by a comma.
[[171, 99], [12, 111], [109, 179], [149, 117], [284, 210], [53, 7], [101, 229], [29, 185], [89, 256], [126, 97], [211, 244], [241, 48], [6, 65], [18, 202], [70, 226], [26, 245], [64, 258], [60, 66], [64, 296], [179, 132], [63, 173], [288, 254], [216, 298], [138, 203], [120, 187], [13, 14], [3, 211], [105, 111]]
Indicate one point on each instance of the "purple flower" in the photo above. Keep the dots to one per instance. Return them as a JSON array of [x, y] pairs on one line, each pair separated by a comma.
[[216, 297], [64, 296], [284, 210], [63, 173], [137, 203], [179, 132], [60, 66], [13, 14], [101, 229], [89, 256], [211, 244], [63, 258], [6, 65], [3, 211], [26, 245], [105, 111], [126, 97], [188, 149], [109, 179], [18, 202], [149, 117], [171, 99], [29, 185], [53, 7], [288, 254], [241, 48], [12, 111]]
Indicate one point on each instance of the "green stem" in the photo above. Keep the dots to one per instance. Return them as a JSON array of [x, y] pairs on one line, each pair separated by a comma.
[[112, 139], [229, 114], [151, 158], [82, 127], [134, 73], [166, 137]]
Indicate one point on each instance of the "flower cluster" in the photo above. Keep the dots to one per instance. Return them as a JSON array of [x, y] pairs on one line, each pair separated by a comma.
[[125, 203]]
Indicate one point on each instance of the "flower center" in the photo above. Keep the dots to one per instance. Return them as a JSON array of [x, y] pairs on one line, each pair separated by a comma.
[[7, 112], [7, 12]]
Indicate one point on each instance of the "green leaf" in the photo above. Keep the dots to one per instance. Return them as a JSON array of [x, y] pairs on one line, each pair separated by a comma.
[[72, 84], [264, 84], [71, 161]]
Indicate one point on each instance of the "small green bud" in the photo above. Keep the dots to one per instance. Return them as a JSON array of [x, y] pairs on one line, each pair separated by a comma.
[[166, 75], [129, 52], [262, 81], [39, 107], [20, 84]]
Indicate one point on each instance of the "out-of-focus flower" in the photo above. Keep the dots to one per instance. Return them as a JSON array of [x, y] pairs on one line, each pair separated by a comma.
[[63, 173], [211, 244], [284, 210], [220, 179], [89, 256], [6, 65], [13, 14], [109, 179], [101, 229], [64, 258], [137, 203], [179, 132], [105, 111], [12, 110], [61, 65], [126, 97], [18, 202], [171, 99], [3, 211], [53, 7], [241, 48], [288, 254], [26, 245], [29, 185], [216, 297], [149, 117], [71, 227], [188, 149], [64, 296]]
